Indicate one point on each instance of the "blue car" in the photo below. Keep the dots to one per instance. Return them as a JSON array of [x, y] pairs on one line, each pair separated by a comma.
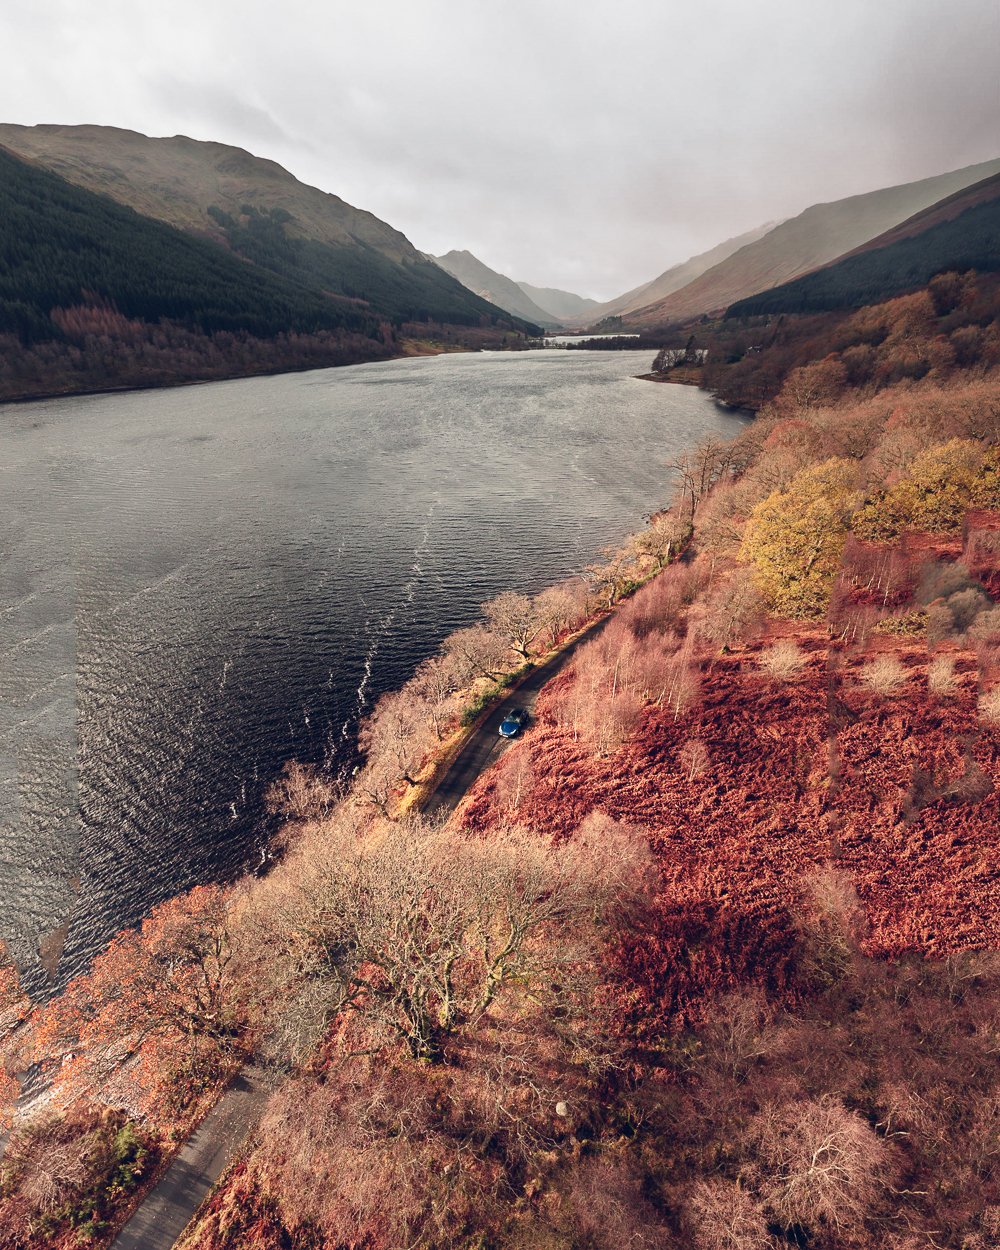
[[513, 723]]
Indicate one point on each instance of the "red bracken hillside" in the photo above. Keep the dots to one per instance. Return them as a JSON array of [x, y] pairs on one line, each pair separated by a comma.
[[710, 960], [899, 792]]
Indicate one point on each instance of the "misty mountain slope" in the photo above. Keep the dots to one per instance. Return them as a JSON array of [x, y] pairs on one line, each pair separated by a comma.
[[561, 305], [677, 276], [494, 287], [256, 208], [951, 207], [961, 233], [62, 246], [820, 234]]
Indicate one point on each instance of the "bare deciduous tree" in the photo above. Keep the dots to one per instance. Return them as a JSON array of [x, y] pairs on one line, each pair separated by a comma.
[[515, 780], [663, 538], [513, 617], [723, 1216], [396, 736], [698, 471], [301, 793], [826, 1166], [612, 579], [418, 931], [561, 608], [478, 652], [733, 610], [694, 758], [437, 681]]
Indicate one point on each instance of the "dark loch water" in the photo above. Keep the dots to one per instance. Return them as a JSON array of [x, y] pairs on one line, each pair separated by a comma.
[[198, 584]]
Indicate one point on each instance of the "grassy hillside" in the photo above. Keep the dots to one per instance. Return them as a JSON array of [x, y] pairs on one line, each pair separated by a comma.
[[815, 237], [61, 246], [675, 277], [259, 210], [960, 234]]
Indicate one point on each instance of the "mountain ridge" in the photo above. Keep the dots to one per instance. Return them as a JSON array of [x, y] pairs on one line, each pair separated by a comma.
[[679, 275], [487, 283], [566, 306], [959, 233], [255, 207], [818, 235]]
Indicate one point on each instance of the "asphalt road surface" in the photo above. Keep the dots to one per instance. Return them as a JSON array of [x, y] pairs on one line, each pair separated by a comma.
[[167, 1209], [485, 746]]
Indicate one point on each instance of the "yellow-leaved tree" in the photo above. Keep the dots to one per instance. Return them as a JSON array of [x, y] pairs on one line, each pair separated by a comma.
[[795, 538], [941, 484]]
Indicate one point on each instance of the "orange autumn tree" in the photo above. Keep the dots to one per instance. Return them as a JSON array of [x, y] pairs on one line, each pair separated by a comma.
[[14, 1008], [162, 1013]]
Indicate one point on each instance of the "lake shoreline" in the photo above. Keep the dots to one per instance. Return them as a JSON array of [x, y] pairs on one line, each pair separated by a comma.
[[266, 559]]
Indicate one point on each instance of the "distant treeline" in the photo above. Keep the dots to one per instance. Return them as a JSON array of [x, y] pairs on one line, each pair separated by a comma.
[[619, 343]]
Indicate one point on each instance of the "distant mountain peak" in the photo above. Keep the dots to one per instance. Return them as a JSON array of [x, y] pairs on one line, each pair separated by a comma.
[[818, 235], [496, 287]]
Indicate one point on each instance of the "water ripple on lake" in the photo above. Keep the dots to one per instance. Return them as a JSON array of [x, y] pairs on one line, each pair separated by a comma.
[[199, 584]]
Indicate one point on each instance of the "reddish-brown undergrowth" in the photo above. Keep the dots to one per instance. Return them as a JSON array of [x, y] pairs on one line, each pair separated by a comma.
[[899, 790]]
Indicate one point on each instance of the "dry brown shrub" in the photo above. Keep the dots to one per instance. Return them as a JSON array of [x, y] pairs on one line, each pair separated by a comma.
[[721, 1215], [831, 922], [940, 623], [784, 661], [985, 626], [989, 706], [987, 659], [824, 1165], [982, 551], [883, 675], [50, 1161], [607, 1209], [941, 676]]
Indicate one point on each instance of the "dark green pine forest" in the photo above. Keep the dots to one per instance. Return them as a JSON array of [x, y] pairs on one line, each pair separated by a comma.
[[402, 292], [968, 241], [94, 295], [61, 246]]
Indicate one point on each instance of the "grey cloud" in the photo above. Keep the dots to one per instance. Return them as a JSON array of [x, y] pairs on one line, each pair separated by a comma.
[[218, 109], [566, 143]]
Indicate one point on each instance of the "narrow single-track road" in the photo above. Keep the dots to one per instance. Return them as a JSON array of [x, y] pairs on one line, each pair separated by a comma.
[[170, 1205], [485, 746]]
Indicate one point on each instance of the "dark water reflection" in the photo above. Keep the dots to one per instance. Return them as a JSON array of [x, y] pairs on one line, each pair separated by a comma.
[[199, 584]]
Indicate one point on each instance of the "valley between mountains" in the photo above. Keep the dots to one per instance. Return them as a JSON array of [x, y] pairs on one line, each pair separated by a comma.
[[709, 957]]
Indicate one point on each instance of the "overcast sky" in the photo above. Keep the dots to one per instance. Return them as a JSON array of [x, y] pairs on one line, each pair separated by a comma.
[[587, 144]]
